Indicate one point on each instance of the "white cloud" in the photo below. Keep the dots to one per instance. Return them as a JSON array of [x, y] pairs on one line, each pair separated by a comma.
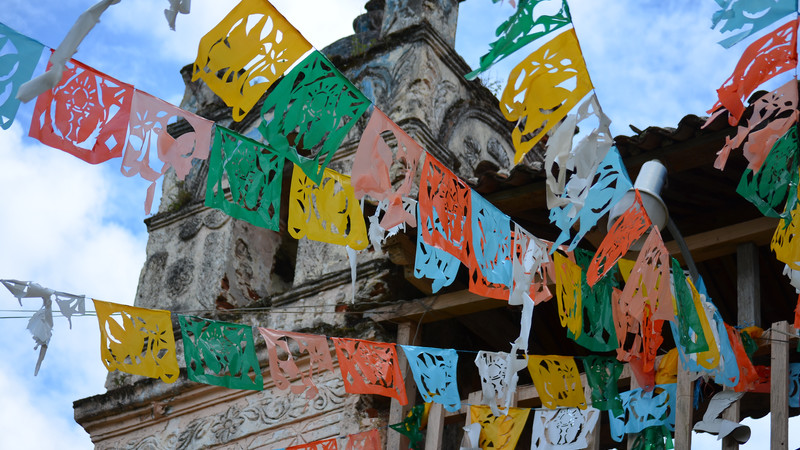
[[57, 231]]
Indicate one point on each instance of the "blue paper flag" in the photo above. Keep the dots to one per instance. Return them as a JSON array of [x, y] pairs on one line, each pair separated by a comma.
[[434, 263], [749, 16], [794, 385], [491, 239], [644, 409], [612, 183], [19, 56], [434, 371]]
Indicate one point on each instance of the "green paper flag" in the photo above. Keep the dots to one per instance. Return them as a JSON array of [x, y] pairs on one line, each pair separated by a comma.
[[411, 427], [653, 438], [602, 374], [309, 113], [772, 185], [529, 23], [220, 354], [598, 333], [689, 323], [254, 173]]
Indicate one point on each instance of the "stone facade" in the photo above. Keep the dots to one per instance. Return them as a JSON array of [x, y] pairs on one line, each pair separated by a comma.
[[201, 261]]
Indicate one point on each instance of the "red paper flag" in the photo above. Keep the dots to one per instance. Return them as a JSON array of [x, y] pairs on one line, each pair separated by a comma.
[[86, 115], [628, 228], [765, 58], [327, 444], [370, 368], [445, 210], [368, 440]]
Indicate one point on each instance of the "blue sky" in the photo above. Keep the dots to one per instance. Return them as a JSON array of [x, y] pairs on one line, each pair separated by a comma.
[[78, 228]]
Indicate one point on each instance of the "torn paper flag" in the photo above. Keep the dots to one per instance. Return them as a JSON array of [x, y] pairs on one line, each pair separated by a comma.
[[627, 229], [498, 372], [774, 183], [220, 353], [411, 426], [434, 263], [568, 294], [743, 18], [148, 139], [611, 185], [86, 115], [491, 261], [370, 368], [529, 258], [241, 57], [532, 20], [597, 332], [774, 114], [326, 212], [309, 113], [713, 424], [540, 91], [138, 341], [254, 174], [770, 55], [285, 348], [58, 59], [563, 428], [499, 432], [434, 372], [644, 409], [602, 376], [19, 56], [688, 309], [175, 7], [378, 162], [557, 381], [325, 444], [41, 323]]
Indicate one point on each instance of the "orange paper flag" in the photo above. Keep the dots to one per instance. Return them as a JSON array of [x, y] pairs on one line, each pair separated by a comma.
[[370, 368]]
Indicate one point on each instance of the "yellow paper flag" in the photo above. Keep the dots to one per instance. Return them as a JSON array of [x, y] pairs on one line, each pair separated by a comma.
[[568, 293], [139, 341], [557, 381], [328, 212], [499, 432], [785, 241], [539, 91], [246, 52]]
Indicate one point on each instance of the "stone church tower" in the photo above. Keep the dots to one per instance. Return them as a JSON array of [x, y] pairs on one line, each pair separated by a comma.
[[202, 262]]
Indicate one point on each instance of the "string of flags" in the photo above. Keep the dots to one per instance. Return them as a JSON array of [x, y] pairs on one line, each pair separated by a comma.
[[311, 110]]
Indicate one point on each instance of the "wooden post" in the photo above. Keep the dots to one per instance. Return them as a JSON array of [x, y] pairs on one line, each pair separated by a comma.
[[433, 437], [748, 284], [779, 386], [405, 334], [683, 409]]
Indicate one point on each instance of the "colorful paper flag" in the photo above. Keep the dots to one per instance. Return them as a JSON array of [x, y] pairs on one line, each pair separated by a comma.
[[370, 368], [285, 372], [148, 135], [326, 212], [19, 56], [220, 353], [499, 432], [86, 115], [434, 371], [444, 209], [254, 174], [243, 55], [539, 81], [138, 341], [746, 17], [557, 381], [309, 113]]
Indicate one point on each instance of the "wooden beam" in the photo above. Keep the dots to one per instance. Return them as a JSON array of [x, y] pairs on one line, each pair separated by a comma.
[[433, 436], [683, 409], [407, 334], [437, 307], [725, 240], [779, 386], [748, 282]]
